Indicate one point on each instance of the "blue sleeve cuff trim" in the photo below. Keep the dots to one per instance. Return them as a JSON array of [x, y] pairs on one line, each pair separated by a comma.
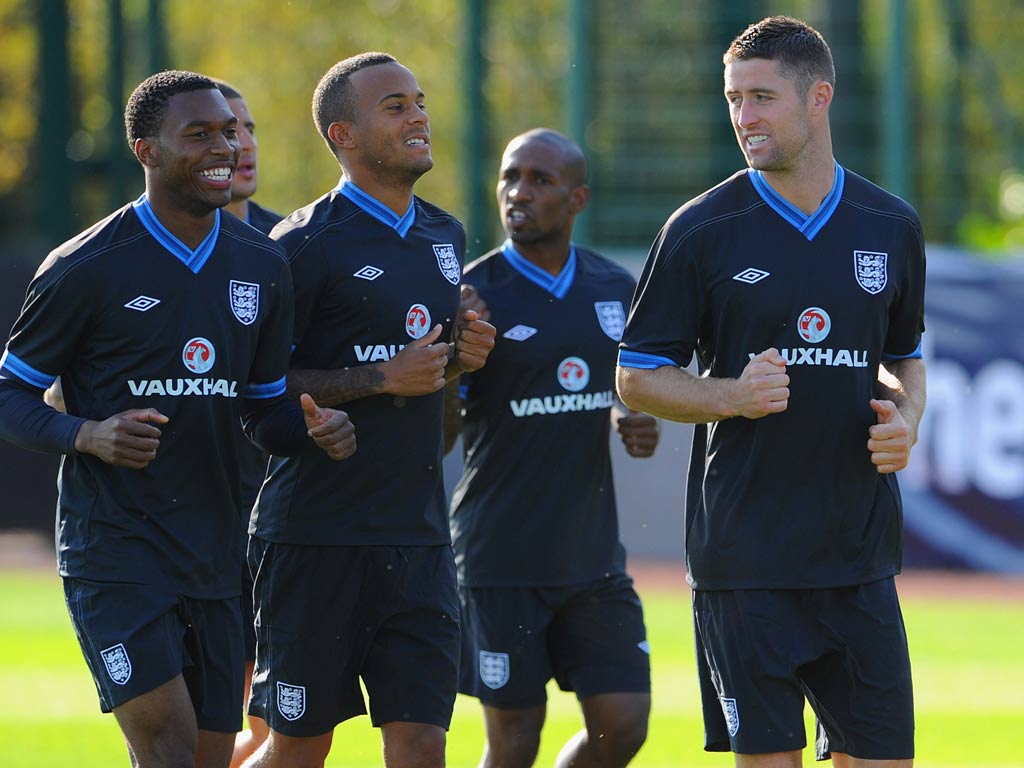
[[266, 391], [15, 366], [629, 359], [917, 354]]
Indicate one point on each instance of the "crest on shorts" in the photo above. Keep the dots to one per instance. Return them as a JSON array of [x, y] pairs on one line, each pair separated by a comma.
[[494, 669], [732, 714], [291, 701], [119, 666], [870, 269], [245, 301], [448, 262], [612, 318]]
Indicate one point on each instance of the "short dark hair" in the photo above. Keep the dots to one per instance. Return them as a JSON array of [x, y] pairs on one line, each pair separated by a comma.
[[575, 162], [800, 50], [229, 91], [147, 106], [334, 99]]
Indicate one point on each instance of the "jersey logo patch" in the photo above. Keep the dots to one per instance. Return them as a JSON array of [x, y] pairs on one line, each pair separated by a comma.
[[573, 374], [870, 270], [448, 262], [291, 701], [519, 333], [119, 666], [368, 272], [142, 303], [814, 324], [732, 715], [417, 321], [198, 355], [494, 669], [612, 318], [245, 301], [751, 275]]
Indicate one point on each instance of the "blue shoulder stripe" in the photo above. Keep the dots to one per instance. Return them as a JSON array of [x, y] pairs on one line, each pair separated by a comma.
[[401, 224], [14, 365], [628, 359], [265, 391], [194, 260]]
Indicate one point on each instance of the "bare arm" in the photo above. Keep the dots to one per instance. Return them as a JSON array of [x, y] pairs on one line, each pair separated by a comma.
[[902, 393], [677, 395]]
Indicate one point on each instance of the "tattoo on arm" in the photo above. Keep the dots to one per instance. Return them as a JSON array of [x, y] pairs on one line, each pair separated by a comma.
[[332, 388]]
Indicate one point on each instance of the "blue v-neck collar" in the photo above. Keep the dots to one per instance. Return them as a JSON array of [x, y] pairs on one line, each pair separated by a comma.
[[808, 226], [558, 285], [401, 224], [193, 260]]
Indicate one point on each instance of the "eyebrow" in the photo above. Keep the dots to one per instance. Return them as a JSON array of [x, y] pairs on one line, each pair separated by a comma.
[[419, 95]]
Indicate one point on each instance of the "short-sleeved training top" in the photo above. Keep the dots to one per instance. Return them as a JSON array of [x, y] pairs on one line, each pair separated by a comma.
[[535, 434], [367, 282], [790, 500], [129, 317]]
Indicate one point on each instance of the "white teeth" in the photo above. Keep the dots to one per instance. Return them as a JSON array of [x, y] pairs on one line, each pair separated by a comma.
[[217, 174], [756, 139], [517, 215], [416, 142]]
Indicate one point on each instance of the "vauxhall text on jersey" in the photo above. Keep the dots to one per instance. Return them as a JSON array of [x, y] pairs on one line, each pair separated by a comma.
[[548, 389], [132, 318], [836, 292], [367, 283]]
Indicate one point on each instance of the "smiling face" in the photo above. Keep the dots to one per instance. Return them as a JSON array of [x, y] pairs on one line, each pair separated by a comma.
[[774, 124], [244, 184], [191, 162], [540, 190], [391, 132]]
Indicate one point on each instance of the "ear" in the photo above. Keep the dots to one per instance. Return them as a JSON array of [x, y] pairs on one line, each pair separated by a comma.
[[820, 96], [147, 152], [340, 134], [578, 198]]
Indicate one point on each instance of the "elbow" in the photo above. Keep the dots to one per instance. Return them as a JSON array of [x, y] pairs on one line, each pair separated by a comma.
[[625, 385]]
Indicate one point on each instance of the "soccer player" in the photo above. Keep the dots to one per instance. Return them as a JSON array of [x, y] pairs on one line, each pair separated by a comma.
[[376, 273], [799, 286], [537, 469], [164, 320]]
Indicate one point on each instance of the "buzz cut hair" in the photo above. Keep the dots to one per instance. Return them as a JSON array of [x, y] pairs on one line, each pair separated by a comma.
[[147, 106], [800, 51], [334, 99], [229, 91]]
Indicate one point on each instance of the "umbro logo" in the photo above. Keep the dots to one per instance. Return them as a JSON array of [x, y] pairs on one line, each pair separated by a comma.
[[519, 333], [368, 273], [142, 303], [751, 275]]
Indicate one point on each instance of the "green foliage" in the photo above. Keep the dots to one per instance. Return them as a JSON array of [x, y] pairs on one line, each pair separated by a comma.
[[968, 678]]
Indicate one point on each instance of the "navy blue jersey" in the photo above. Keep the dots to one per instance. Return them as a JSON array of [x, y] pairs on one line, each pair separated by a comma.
[[790, 500], [254, 460], [130, 317], [535, 433], [367, 282]]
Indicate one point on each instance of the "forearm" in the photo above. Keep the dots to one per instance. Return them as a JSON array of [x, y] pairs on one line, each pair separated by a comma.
[[904, 382], [276, 426], [28, 422], [675, 394], [333, 388]]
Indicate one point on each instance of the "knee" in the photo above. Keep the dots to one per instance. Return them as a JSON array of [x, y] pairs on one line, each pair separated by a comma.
[[415, 747], [294, 752], [617, 741], [166, 748]]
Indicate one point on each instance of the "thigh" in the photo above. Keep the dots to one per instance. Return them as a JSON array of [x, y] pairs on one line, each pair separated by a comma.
[[215, 670], [411, 664], [862, 691], [505, 659], [132, 637], [598, 641], [750, 644], [308, 636]]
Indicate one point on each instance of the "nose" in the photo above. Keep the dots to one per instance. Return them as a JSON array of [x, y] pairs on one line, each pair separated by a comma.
[[518, 191], [746, 113], [418, 115]]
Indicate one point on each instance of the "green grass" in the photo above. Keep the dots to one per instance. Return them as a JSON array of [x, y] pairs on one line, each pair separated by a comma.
[[968, 671]]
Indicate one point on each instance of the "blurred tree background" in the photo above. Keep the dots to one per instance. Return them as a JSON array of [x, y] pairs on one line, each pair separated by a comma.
[[929, 100]]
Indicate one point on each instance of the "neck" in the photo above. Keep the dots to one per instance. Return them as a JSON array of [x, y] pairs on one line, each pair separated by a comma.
[[239, 208], [396, 195], [549, 255], [808, 183], [191, 227]]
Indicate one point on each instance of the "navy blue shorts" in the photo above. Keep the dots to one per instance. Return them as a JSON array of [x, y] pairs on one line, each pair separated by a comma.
[[590, 638], [248, 615], [760, 653], [136, 638], [327, 616]]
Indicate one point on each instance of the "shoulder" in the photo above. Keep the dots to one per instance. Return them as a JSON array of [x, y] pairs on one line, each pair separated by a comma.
[[599, 266], [871, 198], [248, 237], [308, 225], [432, 216], [719, 206], [262, 218], [93, 246]]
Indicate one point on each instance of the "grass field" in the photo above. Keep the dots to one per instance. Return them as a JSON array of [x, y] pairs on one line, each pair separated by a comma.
[[967, 655]]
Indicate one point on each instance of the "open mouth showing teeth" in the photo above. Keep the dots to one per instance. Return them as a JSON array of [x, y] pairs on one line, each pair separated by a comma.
[[216, 174], [756, 139], [416, 143]]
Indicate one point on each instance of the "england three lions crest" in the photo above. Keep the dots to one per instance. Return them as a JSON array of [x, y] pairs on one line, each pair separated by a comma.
[[245, 301], [494, 669], [870, 269], [291, 701], [612, 318], [119, 666], [448, 262]]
